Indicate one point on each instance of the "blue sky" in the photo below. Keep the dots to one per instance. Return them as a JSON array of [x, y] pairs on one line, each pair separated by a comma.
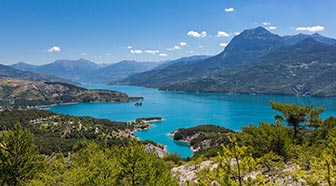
[[107, 31]]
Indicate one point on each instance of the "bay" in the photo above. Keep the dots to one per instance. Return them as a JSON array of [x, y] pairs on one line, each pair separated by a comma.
[[185, 109]]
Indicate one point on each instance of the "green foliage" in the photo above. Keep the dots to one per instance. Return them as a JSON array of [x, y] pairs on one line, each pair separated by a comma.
[[97, 165], [296, 115], [60, 133], [267, 138], [327, 126], [183, 133], [203, 137], [323, 170], [18, 160], [140, 168], [235, 167]]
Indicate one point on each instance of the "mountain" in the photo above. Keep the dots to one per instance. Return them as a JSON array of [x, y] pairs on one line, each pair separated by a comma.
[[167, 72], [183, 60], [306, 68], [25, 75], [291, 40], [24, 66], [21, 93], [74, 70], [82, 70], [247, 46], [121, 70]]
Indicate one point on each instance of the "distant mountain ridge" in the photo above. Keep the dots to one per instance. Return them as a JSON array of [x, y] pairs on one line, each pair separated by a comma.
[[306, 68], [82, 70], [245, 47], [10, 72], [255, 61], [291, 40]]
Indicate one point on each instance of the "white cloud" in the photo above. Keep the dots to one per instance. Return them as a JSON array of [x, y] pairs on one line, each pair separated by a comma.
[[54, 49], [196, 34], [174, 48], [236, 33], [201, 46], [83, 54], [152, 51], [203, 34], [271, 28], [223, 44], [163, 54], [136, 51], [229, 9], [266, 23], [183, 43], [222, 34], [129, 47], [190, 52], [311, 29]]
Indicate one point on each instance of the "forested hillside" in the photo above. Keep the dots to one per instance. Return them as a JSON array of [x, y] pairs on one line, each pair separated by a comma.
[[19, 93], [306, 68]]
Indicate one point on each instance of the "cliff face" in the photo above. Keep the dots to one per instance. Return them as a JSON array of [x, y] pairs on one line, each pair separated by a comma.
[[20, 93]]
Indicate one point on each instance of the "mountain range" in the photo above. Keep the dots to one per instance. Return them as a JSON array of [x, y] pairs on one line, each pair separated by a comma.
[[7, 71], [82, 70], [255, 61]]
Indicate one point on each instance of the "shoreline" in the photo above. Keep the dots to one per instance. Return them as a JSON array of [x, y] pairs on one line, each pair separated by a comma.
[[73, 103], [172, 134]]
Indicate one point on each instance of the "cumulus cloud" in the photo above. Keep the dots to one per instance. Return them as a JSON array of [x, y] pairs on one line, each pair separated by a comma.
[[203, 34], [201, 46], [311, 28], [229, 9], [174, 48], [271, 28], [152, 51], [83, 54], [222, 34], [223, 44], [236, 33], [54, 49], [136, 51], [266, 23], [183, 43], [129, 47], [196, 34], [163, 54]]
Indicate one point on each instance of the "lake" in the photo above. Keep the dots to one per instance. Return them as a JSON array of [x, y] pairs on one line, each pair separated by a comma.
[[183, 110]]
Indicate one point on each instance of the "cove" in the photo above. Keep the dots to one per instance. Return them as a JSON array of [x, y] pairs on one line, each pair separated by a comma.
[[185, 109]]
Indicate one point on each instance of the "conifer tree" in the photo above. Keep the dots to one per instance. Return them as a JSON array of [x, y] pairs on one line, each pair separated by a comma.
[[17, 156]]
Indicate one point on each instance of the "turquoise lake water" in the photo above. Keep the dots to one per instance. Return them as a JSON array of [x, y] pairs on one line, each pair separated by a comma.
[[182, 110]]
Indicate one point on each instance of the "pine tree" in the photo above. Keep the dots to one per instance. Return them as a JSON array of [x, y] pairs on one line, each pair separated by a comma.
[[17, 156], [296, 115]]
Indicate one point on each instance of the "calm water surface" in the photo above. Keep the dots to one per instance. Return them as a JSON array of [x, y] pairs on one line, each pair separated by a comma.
[[182, 110]]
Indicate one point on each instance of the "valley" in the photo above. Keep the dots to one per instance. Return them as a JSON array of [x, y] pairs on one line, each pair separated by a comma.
[[167, 93]]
